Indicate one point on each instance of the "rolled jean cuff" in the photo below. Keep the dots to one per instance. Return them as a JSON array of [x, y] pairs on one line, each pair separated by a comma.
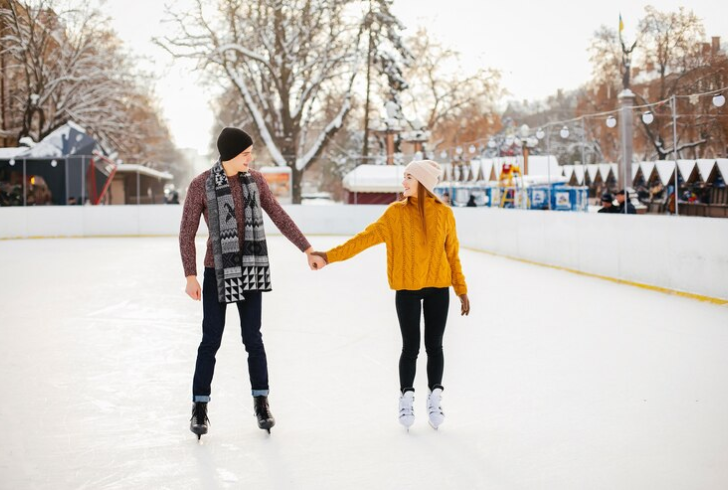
[[200, 398], [260, 392]]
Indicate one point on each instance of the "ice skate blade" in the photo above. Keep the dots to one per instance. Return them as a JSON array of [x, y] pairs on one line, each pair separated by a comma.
[[198, 432], [436, 427], [267, 425]]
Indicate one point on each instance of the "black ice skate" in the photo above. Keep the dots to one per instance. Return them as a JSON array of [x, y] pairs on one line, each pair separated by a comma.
[[199, 420], [262, 413]]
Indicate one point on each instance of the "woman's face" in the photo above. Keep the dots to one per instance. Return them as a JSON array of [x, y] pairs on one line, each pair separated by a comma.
[[410, 185]]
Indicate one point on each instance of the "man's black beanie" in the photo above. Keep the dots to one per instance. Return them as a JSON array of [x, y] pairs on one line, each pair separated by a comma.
[[232, 142]]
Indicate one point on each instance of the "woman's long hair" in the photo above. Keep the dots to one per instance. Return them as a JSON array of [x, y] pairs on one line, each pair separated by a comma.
[[423, 193]]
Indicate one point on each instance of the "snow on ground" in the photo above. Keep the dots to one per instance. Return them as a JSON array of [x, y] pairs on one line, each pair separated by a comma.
[[555, 381]]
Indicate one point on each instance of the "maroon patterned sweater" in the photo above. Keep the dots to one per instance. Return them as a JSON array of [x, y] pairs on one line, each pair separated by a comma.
[[196, 206]]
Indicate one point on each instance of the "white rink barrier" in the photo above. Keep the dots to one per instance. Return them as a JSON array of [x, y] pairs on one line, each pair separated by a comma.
[[686, 254]]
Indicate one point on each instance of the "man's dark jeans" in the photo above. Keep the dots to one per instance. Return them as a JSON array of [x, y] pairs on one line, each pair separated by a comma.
[[213, 324]]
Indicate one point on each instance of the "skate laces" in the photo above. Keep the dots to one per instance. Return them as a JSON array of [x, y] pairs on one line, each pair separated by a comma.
[[406, 406], [200, 414], [262, 408], [433, 404]]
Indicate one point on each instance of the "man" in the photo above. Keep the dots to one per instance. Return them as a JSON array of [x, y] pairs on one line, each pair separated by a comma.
[[231, 196], [623, 200], [607, 206]]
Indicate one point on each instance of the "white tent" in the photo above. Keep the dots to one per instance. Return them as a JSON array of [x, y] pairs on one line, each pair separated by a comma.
[[665, 170], [592, 170], [568, 171], [722, 164], [543, 165], [486, 168], [647, 169], [705, 167], [446, 172], [475, 170], [604, 170], [686, 168]]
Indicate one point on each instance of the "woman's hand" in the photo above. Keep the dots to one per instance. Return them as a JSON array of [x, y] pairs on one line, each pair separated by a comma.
[[193, 288], [316, 260], [464, 305], [322, 256]]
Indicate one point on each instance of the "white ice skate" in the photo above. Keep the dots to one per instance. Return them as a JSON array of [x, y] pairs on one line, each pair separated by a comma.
[[407, 409], [434, 410]]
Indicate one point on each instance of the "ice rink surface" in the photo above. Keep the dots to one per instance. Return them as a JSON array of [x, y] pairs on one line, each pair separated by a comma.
[[556, 381]]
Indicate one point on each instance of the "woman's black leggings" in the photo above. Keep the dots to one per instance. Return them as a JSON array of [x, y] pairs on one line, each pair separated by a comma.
[[435, 302]]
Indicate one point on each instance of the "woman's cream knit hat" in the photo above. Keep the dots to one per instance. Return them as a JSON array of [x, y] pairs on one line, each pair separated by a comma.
[[426, 172]]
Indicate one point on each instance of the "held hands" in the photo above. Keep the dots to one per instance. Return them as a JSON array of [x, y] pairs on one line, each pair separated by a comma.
[[193, 288], [464, 305], [316, 260]]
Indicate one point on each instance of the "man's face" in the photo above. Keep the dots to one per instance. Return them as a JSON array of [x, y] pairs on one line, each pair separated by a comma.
[[607, 204], [241, 163], [620, 198]]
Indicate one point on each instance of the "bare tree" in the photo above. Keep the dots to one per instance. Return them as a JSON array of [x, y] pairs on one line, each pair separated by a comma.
[[606, 59], [282, 57], [442, 93], [68, 65], [673, 59]]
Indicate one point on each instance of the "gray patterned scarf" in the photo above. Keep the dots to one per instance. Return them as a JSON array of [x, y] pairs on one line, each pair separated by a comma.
[[236, 271]]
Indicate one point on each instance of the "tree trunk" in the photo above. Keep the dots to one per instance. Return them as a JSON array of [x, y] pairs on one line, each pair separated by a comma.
[[365, 149], [296, 176]]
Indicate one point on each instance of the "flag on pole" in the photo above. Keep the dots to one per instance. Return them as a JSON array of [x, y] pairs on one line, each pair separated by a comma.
[[621, 25]]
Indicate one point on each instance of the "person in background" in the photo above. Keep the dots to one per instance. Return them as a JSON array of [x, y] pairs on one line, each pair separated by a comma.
[[623, 200], [471, 202], [607, 205]]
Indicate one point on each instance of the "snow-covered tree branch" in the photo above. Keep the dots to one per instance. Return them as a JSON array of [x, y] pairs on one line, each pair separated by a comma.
[[279, 56]]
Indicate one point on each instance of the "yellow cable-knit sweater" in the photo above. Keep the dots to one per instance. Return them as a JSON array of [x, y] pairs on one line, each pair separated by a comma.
[[413, 260]]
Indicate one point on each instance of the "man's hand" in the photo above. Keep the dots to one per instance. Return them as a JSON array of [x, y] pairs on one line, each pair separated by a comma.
[[322, 256], [315, 261], [464, 305], [193, 288]]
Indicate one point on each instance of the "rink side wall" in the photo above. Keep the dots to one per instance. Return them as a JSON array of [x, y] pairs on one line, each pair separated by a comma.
[[688, 254]]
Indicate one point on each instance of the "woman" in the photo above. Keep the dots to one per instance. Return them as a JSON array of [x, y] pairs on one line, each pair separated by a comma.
[[422, 263]]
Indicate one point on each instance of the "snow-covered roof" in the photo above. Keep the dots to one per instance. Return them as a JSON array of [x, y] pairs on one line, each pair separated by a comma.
[[543, 165], [12, 152], [69, 139], [722, 164], [705, 167], [150, 172], [375, 178]]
